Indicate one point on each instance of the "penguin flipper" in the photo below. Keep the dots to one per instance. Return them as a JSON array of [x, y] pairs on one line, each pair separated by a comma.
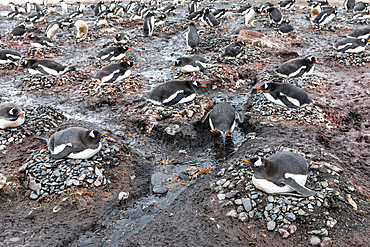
[[43, 140], [299, 188], [66, 151], [239, 118], [201, 67], [287, 102], [205, 116]]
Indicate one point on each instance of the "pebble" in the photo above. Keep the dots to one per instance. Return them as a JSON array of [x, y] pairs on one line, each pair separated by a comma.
[[160, 190], [326, 242], [247, 204], [123, 195], [284, 233], [290, 217], [271, 225], [221, 196], [243, 216], [34, 196], [331, 222], [315, 241], [301, 212], [238, 202], [232, 213], [269, 206], [2, 181]]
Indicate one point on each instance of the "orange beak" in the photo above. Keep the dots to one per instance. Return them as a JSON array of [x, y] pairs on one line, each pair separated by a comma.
[[203, 85], [128, 48], [246, 161], [21, 114], [174, 67], [103, 134], [316, 62], [258, 88], [20, 66], [134, 63]]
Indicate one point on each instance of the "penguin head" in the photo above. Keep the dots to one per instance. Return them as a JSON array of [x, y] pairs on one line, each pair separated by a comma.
[[94, 136], [127, 64], [197, 84], [24, 64], [14, 111], [267, 87], [256, 163], [311, 59], [31, 36]]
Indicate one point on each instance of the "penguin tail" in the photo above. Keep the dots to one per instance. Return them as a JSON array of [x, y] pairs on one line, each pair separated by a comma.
[[320, 105], [43, 140], [138, 101]]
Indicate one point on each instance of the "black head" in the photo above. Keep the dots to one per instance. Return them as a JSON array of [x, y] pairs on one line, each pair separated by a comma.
[[196, 84], [311, 59], [12, 111], [192, 24], [31, 36], [93, 136], [268, 87], [256, 163], [127, 64]]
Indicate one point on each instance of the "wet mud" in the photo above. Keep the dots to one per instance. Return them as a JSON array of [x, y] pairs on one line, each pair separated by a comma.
[[170, 204]]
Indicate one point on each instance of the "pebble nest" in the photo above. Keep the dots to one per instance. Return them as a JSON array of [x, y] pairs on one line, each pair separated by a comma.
[[349, 59], [40, 82], [38, 120], [282, 213], [45, 52], [46, 176]]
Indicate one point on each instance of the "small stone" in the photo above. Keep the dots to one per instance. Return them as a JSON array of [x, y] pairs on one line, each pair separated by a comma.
[[324, 184], [34, 196], [269, 206], [123, 195], [301, 212], [255, 196], [284, 233], [351, 188], [326, 242], [231, 194], [331, 222], [321, 232], [271, 225], [2, 181], [290, 217], [238, 202], [232, 213], [97, 183], [226, 184], [23, 168], [247, 204], [292, 229], [243, 216], [221, 196], [221, 181], [315, 241], [160, 190], [270, 198], [172, 129]]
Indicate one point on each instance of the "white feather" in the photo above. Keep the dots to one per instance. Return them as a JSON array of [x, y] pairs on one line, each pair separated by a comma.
[[172, 96]]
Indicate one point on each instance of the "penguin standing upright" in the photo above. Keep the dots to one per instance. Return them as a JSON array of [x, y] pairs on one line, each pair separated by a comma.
[[297, 67], [173, 92], [148, 25], [64, 7], [349, 5], [286, 95], [282, 172], [209, 19], [73, 143], [192, 37], [193, 6], [351, 45], [222, 119], [11, 115], [250, 15], [51, 29], [82, 29]]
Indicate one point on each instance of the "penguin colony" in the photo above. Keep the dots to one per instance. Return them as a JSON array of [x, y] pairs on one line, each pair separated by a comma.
[[281, 172]]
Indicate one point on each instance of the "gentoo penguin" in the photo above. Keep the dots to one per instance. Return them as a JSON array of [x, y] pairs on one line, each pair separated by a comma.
[[349, 5], [175, 91], [35, 17], [362, 33], [192, 37], [191, 64], [220, 13], [243, 9], [101, 21], [11, 115], [28, 7], [73, 143], [64, 7], [81, 6], [160, 19], [285, 94], [350, 45], [19, 30], [9, 56], [222, 119], [193, 6], [275, 15], [249, 16], [112, 53], [148, 25], [315, 11], [51, 29], [234, 49], [195, 15], [325, 17], [99, 7], [45, 67], [121, 38], [82, 28], [287, 4], [282, 172], [297, 67], [39, 42], [285, 27], [209, 19], [168, 10], [361, 16], [114, 72], [76, 14], [360, 6]]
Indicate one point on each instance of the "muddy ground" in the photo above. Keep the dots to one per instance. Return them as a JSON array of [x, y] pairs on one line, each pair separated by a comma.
[[189, 213]]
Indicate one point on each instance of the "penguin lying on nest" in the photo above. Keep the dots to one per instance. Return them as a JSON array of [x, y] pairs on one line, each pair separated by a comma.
[[11, 115], [280, 173]]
